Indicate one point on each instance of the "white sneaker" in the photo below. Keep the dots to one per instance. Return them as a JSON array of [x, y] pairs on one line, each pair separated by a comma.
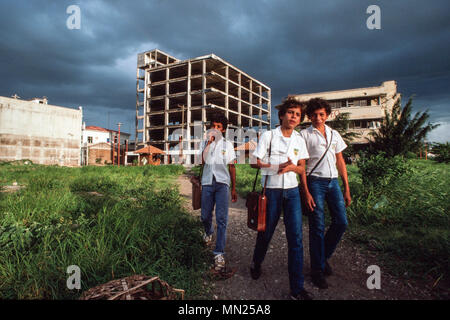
[[219, 262], [207, 239]]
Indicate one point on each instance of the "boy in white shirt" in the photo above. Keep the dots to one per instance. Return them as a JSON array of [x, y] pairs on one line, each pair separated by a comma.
[[218, 172], [322, 186], [287, 159]]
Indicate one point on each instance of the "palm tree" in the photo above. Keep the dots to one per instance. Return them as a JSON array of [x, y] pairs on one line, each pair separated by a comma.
[[399, 133], [341, 124]]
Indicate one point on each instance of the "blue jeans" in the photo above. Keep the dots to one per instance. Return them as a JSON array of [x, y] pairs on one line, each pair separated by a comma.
[[216, 194], [322, 247], [289, 201]]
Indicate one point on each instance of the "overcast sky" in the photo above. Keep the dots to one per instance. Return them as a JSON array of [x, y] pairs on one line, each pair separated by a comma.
[[292, 46]]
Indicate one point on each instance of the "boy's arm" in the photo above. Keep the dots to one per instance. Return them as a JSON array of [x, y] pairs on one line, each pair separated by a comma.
[[342, 169], [232, 169], [206, 150], [307, 197]]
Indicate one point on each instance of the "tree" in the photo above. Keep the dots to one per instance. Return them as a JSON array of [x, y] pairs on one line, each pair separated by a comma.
[[441, 152], [341, 124], [400, 133]]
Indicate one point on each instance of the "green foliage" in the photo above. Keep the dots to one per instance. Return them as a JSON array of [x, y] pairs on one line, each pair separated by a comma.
[[400, 133], [405, 219], [341, 124], [442, 152], [112, 222], [379, 170]]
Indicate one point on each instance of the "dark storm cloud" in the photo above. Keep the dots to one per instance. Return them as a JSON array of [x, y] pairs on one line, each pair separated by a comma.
[[292, 46]]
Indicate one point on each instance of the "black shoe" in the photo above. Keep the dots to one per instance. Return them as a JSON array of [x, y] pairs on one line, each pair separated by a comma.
[[255, 271], [318, 280], [327, 271], [303, 295]]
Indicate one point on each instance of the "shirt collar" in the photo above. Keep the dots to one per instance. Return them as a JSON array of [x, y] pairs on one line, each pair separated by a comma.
[[327, 129], [279, 133]]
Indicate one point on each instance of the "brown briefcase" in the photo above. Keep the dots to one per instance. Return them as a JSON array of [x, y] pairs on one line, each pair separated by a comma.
[[256, 209], [256, 204], [196, 192]]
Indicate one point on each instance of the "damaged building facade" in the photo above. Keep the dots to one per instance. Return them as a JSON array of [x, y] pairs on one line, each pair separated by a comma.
[[43, 133], [367, 107], [174, 94]]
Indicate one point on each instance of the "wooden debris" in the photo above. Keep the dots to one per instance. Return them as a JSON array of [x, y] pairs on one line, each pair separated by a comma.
[[136, 287]]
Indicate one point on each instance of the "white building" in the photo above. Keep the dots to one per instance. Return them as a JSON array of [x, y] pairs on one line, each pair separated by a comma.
[[99, 145], [43, 133], [367, 107]]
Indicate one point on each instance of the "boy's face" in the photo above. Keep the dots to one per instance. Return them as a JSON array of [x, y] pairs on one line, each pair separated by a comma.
[[217, 126], [318, 117], [291, 118], [216, 130]]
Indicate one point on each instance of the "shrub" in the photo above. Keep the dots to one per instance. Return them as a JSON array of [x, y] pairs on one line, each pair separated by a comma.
[[380, 170], [442, 152]]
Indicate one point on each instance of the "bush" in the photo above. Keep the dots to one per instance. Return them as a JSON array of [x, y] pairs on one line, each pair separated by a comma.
[[442, 152], [379, 170], [410, 155]]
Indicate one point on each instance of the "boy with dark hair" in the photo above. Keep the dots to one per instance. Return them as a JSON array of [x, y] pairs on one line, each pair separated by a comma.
[[281, 154], [288, 103], [320, 184], [218, 172]]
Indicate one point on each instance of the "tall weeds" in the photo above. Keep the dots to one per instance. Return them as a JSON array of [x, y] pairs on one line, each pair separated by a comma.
[[111, 222]]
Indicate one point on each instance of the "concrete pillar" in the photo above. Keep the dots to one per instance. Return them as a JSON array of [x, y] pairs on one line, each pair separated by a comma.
[[166, 116], [188, 113]]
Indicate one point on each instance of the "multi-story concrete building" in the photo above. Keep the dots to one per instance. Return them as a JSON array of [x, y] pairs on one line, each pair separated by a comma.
[[367, 107], [42, 133], [178, 94]]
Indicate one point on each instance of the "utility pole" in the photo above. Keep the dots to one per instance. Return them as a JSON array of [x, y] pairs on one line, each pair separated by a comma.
[[126, 152], [112, 149], [118, 146]]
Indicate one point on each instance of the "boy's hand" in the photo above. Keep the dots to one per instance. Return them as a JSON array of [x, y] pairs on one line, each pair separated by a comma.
[[233, 196], [347, 198], [310, 201], [286, 167]]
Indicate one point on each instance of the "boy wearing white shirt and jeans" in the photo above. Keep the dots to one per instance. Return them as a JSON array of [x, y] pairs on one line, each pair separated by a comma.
[[218, 172], [287, 159], [323, 186]]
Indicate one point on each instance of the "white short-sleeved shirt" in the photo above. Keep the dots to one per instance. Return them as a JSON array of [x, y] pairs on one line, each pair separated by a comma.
[[316, 144], [220, 154], [283, 148]]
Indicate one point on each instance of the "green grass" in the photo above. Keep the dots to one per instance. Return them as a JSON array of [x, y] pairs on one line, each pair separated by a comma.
[[407, 221], [111, 222]]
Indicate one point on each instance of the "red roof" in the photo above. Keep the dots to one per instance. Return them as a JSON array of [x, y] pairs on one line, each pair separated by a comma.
[[95, 128], [149, 150], [251, 145]]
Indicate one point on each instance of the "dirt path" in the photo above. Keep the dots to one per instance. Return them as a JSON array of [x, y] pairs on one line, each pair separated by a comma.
[[349, 264]]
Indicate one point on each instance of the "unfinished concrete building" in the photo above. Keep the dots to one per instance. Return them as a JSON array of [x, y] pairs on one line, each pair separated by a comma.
[[366, 107], [175, 94]]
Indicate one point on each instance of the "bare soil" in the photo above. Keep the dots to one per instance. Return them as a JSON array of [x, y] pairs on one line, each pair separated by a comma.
[[349, 264]]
